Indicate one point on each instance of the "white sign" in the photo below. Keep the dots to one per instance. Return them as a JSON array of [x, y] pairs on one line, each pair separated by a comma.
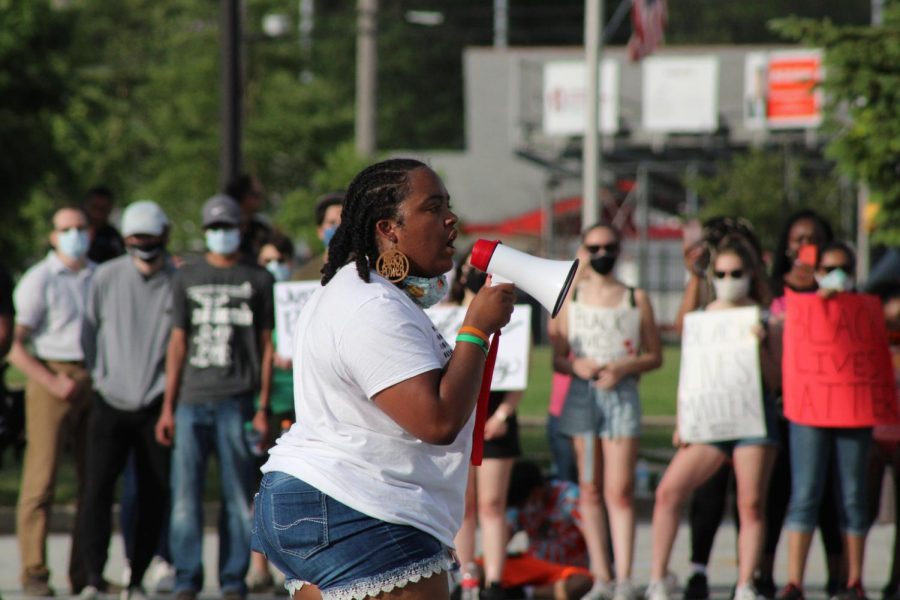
[[511, 369], [565, 96], [719, 385], [290, 298], [680, 94]]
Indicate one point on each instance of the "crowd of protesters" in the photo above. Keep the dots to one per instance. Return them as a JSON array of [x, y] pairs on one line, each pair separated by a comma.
[[146, 365]]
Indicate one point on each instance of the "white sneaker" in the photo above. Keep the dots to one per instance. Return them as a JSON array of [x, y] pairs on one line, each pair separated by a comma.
[[624, 590], [89, 592], [135, 592], [161, 576], [745, 592], [601, 590], [661, 590]]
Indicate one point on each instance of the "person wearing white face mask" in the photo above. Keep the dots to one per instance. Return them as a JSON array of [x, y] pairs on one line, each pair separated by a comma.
[[738, 280], [219, 357], [50, 301]]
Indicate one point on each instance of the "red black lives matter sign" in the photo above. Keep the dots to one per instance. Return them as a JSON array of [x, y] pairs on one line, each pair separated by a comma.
[[837, 364]]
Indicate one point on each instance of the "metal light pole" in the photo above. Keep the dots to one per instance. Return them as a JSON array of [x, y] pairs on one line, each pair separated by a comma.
[[366, 79], [591, 159], [231, 83]]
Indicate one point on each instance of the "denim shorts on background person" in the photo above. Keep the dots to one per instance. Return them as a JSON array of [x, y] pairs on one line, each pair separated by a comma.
[[610, 414], [770, 414], [311, 537]]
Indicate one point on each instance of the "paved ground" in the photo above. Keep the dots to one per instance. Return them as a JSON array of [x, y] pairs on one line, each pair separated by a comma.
[[722, 569]]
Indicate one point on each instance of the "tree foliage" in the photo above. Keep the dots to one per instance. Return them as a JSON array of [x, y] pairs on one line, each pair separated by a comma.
[[863, 107]]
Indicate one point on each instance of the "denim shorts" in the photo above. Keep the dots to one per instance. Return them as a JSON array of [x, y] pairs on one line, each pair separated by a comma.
[[610, 414], [313, 538]]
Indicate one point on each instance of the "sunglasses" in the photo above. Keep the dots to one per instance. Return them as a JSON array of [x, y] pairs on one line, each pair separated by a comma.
[[612, 248], [830, 268], [736, 274]]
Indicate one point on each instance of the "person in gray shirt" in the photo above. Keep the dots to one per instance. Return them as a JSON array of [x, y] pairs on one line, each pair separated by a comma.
[[124, 336]]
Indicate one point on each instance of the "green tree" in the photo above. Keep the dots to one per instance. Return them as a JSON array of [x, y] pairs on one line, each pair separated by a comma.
[[862, 86], [764, 187]]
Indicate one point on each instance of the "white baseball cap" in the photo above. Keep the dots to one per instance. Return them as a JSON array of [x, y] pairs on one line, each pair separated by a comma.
[[144, 217]]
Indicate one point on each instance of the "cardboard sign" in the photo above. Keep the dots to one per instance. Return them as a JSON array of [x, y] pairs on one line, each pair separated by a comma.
[[719, 385], [511, 369], [837, 365], [604, 334], [290, 298]]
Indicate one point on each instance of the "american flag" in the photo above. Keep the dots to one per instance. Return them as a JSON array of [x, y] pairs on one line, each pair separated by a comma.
[[648, 22]]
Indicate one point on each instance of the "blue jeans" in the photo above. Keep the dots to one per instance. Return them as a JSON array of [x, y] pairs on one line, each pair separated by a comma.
[[811, 452], [201, 429], [311, 537]]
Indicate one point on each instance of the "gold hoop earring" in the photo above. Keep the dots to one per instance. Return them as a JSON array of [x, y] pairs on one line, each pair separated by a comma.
[[392, 265]]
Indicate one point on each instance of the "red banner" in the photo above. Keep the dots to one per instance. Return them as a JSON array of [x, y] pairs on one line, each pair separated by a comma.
[[837, 365]]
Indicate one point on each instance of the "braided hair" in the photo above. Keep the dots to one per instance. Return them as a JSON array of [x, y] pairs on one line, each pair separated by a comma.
[[374, 194]]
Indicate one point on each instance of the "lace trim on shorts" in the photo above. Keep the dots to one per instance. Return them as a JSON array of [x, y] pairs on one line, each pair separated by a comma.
[[386, 582]]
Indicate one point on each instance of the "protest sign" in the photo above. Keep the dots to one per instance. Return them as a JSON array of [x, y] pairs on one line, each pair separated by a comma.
[[837, 365], [511, 369], [604, 334], [290, 298], [719, 385]]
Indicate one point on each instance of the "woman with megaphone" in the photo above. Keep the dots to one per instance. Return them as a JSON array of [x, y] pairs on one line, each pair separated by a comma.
[[607, 337], [364, 494]]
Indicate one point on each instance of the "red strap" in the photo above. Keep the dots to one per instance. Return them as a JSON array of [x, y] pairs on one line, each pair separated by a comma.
[[482, 407]]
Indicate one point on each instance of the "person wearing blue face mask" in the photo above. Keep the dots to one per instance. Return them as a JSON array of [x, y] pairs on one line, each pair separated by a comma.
[[50, 301], [328, 219], [219, 358]]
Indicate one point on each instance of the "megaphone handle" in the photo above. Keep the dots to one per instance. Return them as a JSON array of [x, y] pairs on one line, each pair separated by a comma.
[[483, 399]]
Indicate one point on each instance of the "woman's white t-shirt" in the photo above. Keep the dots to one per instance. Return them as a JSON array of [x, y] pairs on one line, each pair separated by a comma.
[[354, 340]]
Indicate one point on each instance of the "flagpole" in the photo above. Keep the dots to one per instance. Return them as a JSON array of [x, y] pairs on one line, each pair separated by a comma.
[[591, 157]]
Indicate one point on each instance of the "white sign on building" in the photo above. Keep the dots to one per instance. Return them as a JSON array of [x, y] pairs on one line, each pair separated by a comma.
[[565, 96], [680, 94]]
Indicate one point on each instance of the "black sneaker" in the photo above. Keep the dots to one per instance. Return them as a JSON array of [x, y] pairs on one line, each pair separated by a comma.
[[791, 592], [891, 591], [834, 588], [853, 592], [697, 587], [765, 587], [493, 591]]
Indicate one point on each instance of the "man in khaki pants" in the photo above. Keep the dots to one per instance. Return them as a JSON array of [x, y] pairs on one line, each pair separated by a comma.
[[50, 300]]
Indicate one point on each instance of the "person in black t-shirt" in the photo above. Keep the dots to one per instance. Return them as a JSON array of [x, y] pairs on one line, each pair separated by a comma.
[[106, 241]]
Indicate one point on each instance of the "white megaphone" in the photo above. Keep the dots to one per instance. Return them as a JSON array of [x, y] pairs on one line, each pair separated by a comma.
[[547, 281]]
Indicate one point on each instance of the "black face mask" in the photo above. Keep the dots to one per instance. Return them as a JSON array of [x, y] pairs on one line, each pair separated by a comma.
[[475, 280], [604, 263], [146, 252]]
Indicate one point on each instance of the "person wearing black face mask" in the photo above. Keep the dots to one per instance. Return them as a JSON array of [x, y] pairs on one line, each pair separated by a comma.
[[605, 338], [124, 336]]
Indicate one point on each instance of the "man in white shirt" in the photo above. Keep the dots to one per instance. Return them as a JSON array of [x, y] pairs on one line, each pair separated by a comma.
[[50, 300]]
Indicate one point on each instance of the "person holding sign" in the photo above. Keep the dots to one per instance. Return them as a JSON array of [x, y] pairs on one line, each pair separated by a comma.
[[364, 494], [739, 281], [606, 338], [488, 483], [820, 343]]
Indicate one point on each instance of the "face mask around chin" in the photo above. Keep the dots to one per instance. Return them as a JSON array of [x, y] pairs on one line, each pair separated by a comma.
[[73, 242], [425, 291], [732, 290], [223, 241]]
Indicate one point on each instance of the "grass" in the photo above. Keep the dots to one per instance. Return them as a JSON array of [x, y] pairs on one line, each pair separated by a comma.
[[657, 391]]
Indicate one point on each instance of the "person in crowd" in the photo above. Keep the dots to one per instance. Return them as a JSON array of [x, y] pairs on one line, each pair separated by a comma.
[[248, 192], [124, 338], [488, 483], [607, 338], [7, 312], [709, 500], [886, 447], [277, 257], [106, 242], [804, 228], [554, 563], [380, 454], [218, 358], [50, 300], [812, 449], [328, 219], [738, 279]]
